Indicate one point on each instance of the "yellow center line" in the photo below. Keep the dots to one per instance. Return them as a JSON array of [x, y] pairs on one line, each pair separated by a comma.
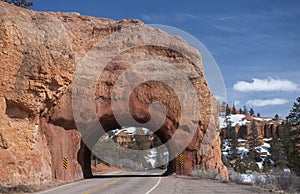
[[102, 186]]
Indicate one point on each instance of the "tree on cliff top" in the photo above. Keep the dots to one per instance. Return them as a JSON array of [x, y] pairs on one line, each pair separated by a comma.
[[20, 3], [251, 111]]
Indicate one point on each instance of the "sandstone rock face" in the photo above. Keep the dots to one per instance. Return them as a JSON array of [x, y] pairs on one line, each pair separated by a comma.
[[39, 54], [266, 127]]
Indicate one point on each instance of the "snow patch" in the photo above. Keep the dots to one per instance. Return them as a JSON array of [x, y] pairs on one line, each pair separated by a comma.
[[262, 119], [130, 130], [235, 119]]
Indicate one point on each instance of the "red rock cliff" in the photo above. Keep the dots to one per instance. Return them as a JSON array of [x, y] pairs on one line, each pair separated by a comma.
[[39, 53]]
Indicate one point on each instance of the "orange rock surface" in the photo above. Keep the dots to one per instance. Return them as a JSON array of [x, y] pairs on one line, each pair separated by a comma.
[[39, 53]]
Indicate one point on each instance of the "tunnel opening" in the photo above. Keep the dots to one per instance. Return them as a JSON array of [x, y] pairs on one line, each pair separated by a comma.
[[129, 149]]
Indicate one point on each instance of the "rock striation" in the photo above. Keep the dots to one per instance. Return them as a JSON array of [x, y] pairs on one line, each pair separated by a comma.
[[39, 54]]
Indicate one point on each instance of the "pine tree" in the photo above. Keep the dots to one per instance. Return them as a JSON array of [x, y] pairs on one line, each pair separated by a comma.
[[245, 111], [254, 138], [251, 111], [240, 165], [294, 116], [232, 139], [294, 151], [292, 137], [228, 111], [277, 152], [240, 111], [233, 109], [233, 143], [253, 154], [223, 138], [267, 165]]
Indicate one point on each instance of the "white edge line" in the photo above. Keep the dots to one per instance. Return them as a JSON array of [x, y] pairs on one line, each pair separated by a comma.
[[154, 187]]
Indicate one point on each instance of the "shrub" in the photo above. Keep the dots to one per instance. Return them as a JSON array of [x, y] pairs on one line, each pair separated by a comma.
[[205, 173], [16, 189]]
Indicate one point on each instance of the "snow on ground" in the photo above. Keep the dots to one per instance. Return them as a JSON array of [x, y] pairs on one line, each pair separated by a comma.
[[151, 158], [262, 119], [247, 178], [267, 145], [250, 178], [260, 164], [264, 150], [130, 130], [235, 119], [242, 150], [146, 131], [225, 153], [267, 139]]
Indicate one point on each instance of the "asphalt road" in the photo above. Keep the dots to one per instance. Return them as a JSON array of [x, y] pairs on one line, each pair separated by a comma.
[[148, 182]]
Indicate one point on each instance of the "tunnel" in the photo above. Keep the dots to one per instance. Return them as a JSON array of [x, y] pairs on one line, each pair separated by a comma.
[[141, 114]]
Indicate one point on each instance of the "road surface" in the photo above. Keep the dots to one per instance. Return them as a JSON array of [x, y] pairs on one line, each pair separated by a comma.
[[148, 182]]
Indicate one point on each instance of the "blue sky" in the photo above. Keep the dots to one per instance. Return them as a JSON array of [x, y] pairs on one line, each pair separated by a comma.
[[256, 43]]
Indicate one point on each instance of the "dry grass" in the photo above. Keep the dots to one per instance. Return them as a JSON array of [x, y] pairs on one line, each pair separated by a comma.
[[16, 189], [275, 181], [205, 173]]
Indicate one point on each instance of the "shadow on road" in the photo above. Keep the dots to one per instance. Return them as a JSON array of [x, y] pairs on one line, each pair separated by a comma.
[[124, 175], [131, 174]]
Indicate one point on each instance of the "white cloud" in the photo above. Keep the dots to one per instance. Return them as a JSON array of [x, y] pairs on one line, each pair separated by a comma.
[[267, 102], [268, 84], [237, 103], [220, 99], [147, 17]]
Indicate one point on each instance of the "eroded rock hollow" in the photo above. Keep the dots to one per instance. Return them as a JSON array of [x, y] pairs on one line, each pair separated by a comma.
[[40, 54]]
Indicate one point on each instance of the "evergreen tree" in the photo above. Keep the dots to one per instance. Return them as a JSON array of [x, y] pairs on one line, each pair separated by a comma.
[[294, 151], [240, 111], [223, 138], [254, 138], [267, 165], [240, 165], [233, 109], [292, 137], [245, 111], [250, 160], [228, 111], [20, 3], [251, 111], [253, 155], [141, 140], [233, 142], [276, 117], [278, 155], [294, 116]]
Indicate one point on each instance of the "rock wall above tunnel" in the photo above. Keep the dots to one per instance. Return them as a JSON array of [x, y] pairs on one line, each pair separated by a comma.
[[39, 54]]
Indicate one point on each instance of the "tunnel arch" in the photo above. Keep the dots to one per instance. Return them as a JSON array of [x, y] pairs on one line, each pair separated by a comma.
[[140, 112], [61, 114], [140, 101]]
